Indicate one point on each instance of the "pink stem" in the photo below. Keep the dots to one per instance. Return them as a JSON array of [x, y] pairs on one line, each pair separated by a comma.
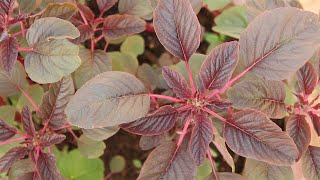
[[106, 46], [13, 140], [23, 30], [215, 114], [29, 98], [44, 128], [99, 38], [25, 49], [184, 132], [190, 77], [212, 164], [72, 133], [230, 83], [83, 17], [165, 97]]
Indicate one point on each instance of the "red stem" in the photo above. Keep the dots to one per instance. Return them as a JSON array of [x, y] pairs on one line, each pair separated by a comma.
[[72, 133], [29, 98], [25, 49], [23, 30], [212, 164], [190, 77], [13, 140], [99, 38], [214, 114], [83, 17], [165, 97]]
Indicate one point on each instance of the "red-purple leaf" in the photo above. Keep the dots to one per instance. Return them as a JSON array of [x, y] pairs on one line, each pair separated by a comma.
[[55, 101], [202, 135], [27, 123], [307, 78], [218, 105], [217, 69], [149, 142], [116, 26], [225, 176], [177, 83], [18, 18], [156, 123], [87, 12], [273, 46], [163, 163], [86, 32], [47, 167], [11, 157], [311, 163], [51, 139], [6, 5], [260, 94], [6, 132], [252, 134], [8, 53], [177, 27], [105, 5], [316, 122], [299, 130]]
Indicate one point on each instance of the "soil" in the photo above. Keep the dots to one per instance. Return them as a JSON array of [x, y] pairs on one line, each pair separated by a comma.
[[126, 144]]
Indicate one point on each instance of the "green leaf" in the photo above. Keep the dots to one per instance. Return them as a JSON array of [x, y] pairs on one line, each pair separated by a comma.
[[216, 4], [214, 40], [133, 45], [7, 113], [204, 170], [91, 65], [231, 22], [137, 163], [109, 99], [117, 164], [35, 92], [53, 56], [74, 166], [141, 8], [124, 62], [10, 83], [89, 148]]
